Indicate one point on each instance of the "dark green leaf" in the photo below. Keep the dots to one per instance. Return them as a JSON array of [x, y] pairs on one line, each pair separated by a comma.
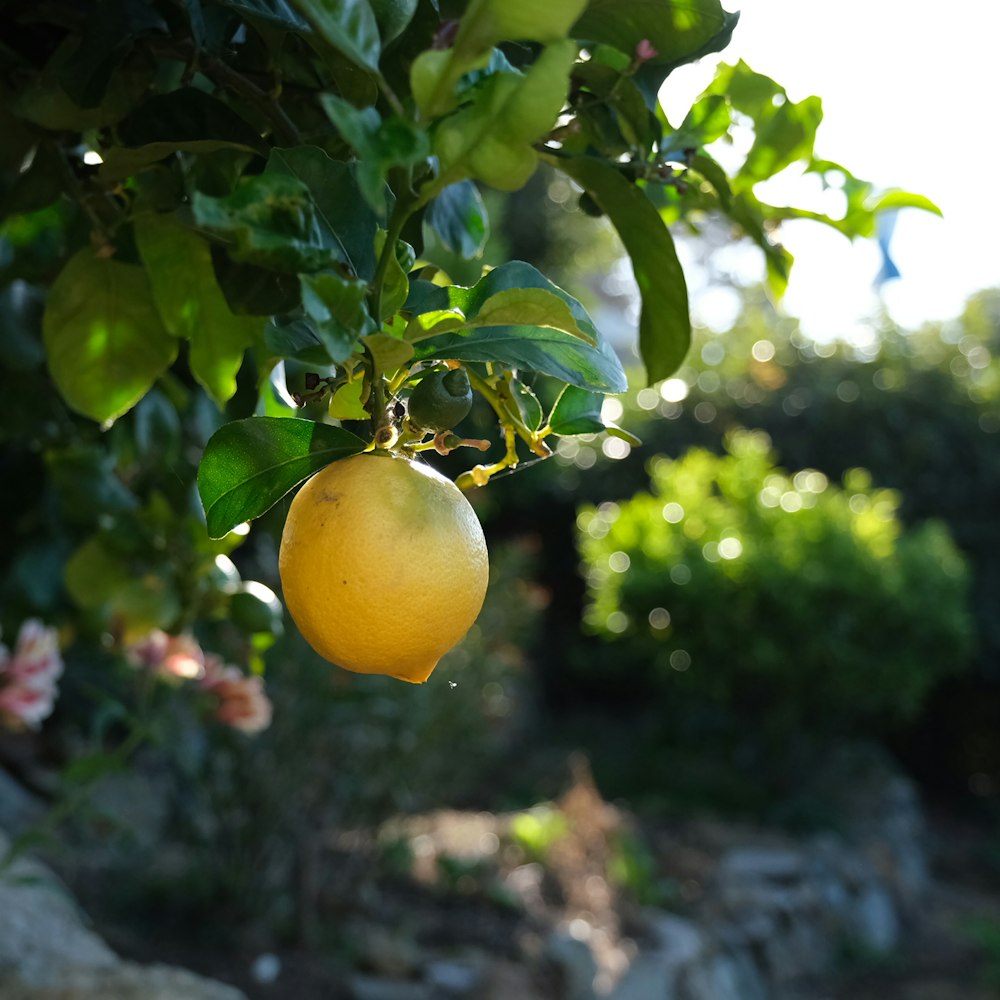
[[393, 16], [296, 339], [105, 342], [185, 116], [108, 32], [336, 307], [270, 220], [44, 102], [577, 411], [277, 12], [252, 290], [249, 465], [664, 325], [531, 348], [179, 265], [21, 308], [40, 185], [380, 145], [121, 162], [458, 217], [349, 26], [528, 405], [86, 483], [344, 218]]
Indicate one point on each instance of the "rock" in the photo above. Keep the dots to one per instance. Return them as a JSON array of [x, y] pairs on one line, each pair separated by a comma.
[[876, 925], [48, 953], [376, 988], [42, 936], [724, 977], [453, 977], [123, 981], [773, 864], [576, 964], [653, 973]]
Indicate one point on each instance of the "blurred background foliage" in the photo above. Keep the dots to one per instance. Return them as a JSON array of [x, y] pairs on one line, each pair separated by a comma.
[[863, 609]]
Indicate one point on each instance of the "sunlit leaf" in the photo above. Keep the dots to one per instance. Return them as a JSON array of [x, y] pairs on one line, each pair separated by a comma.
[[664, 324], [179, 265], [105, 342], [249, 465]]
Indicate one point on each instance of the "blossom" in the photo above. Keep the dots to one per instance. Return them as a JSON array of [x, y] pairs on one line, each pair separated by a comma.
[[242, 703], [28, 675], [170, 655], [644, 51]]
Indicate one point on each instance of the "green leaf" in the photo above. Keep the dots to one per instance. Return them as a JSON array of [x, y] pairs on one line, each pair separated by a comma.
[[458, 217], [121, 162], [530, 348], [681, 31], [578, 411], [380, 145], [349, 26], [528, 406], [393, 16], [709, 119], [664, 325], [102, 332], [345, 404], [338, 312], [280, 13], [396, 285], [249, 465], [297, 340], [179, 265], [389, 352], [345, 220], [904, 199], [492, 138], [270, 220], [515, 293], [185, 116], [486, 23]]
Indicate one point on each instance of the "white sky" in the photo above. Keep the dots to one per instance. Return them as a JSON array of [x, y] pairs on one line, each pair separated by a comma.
[[909, 96]]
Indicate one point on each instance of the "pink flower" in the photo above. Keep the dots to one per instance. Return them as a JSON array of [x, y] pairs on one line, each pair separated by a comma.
[[25, 706], [644, 51], [28, 676], [171, 655], [242, 701]]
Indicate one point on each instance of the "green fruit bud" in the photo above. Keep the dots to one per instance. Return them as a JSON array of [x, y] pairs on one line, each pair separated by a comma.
[[440, 400]]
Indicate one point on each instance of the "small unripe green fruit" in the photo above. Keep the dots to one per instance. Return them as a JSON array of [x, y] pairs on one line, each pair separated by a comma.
[[440, 400]]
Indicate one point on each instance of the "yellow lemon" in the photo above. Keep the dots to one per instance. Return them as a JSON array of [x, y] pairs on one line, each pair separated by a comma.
[[383, 564]]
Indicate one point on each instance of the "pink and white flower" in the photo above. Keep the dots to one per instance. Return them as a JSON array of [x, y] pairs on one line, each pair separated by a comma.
[[28, 676], [242, 703]]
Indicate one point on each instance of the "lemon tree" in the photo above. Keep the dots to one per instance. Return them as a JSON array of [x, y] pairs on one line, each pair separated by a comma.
[[246, 197]]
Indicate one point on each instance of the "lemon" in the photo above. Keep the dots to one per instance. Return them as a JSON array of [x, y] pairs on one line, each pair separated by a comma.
[[383, 564]]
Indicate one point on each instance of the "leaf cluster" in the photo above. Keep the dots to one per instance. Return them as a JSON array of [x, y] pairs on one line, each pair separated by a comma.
[[250, 185]]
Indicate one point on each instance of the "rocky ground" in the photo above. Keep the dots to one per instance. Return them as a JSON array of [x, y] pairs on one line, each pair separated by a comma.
[[573, 900]]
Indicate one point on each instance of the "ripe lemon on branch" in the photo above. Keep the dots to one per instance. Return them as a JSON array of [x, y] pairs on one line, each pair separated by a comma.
[[383, 564]]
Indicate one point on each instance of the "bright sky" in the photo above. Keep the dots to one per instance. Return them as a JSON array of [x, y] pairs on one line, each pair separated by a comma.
[[909, 98]]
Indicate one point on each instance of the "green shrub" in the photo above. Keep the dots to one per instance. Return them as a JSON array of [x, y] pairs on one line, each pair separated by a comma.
[[741, 592]]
